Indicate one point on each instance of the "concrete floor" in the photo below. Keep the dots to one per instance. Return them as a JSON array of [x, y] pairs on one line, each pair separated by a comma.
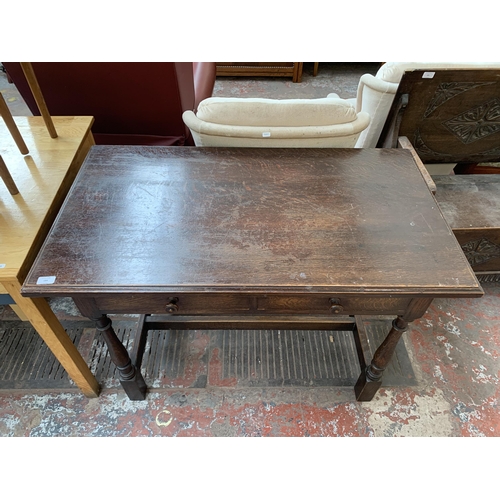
[[454, 350]]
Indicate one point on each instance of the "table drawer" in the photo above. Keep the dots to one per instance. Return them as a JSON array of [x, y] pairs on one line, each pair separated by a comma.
[[222, 303], [328, 304]]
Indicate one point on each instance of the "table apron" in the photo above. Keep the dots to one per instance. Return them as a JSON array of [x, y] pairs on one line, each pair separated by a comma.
[[240, 304]]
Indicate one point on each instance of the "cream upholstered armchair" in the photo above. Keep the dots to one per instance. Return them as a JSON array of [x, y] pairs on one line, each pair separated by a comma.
[[256, 122], [375, 95]]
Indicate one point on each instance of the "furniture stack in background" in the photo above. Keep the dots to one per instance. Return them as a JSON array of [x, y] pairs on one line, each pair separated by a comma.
[[133, 103]]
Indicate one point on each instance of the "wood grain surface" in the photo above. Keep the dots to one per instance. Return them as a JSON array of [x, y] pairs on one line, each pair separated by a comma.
[[143, 219], [471, 205], [43, 178]]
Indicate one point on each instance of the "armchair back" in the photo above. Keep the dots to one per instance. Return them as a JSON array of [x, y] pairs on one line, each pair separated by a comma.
[[257, 122]]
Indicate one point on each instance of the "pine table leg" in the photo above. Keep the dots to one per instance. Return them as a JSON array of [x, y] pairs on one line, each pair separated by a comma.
[[45, 322]]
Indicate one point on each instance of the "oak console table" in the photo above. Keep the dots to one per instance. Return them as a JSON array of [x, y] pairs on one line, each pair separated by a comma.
[[43, 178], [235, 238]]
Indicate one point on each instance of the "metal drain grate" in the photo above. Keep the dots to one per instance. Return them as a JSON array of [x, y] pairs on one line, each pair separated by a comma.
[[163, 363], [304, 358], [289, 357], [25, 360], [182, 359], [165, 354], [488, 278]]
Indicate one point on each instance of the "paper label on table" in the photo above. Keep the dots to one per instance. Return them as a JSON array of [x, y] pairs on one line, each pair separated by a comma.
[[2, 266], [46, 280], [428, 74], [266, 134]]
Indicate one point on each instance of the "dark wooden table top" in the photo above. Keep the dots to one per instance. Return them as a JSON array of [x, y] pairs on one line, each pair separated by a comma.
[[144, 219]]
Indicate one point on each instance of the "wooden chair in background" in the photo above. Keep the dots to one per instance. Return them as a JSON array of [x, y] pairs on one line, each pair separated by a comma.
[[12, 127], [7, 178], [16, 135], [38, 96], [5, 113], [103, 90]]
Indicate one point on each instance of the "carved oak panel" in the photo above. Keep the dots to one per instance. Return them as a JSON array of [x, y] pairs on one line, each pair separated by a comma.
[[474, 124], [452, 117], [480, 251]]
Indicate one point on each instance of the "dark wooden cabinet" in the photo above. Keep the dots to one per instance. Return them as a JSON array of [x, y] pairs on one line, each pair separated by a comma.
[[285, 69]]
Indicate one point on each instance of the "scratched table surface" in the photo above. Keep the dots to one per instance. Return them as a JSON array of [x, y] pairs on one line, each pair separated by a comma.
[[143, 219]]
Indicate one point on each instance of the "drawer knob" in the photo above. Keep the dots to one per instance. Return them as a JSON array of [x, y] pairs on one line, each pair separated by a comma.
[[172, 306], [336, 307]]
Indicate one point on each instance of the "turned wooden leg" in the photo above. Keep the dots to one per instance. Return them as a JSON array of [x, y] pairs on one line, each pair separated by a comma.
[[130, 377], [370, 379]]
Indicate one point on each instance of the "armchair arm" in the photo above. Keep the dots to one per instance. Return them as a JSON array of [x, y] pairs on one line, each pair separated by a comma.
[[376, 84], [374, 96]]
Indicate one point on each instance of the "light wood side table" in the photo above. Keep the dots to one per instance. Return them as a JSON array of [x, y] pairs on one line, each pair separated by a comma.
[[43, 178]]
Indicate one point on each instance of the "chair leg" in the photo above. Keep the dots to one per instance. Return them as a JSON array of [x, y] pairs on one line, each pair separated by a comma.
[[11, 125], [37, 94], [7, 178]]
